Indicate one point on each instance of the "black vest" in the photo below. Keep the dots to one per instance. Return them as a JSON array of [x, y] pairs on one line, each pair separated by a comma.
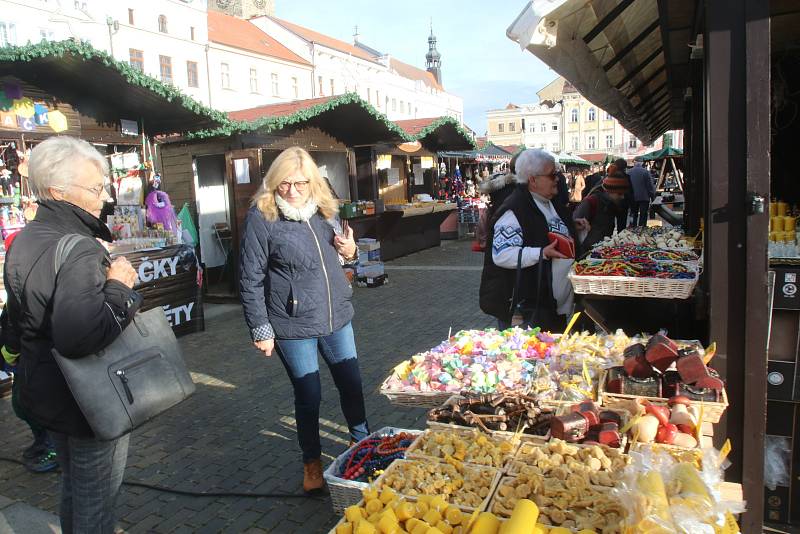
[[497, 283], [602, 225]]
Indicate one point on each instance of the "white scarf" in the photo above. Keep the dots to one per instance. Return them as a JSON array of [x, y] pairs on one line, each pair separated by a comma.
[[296, 214]]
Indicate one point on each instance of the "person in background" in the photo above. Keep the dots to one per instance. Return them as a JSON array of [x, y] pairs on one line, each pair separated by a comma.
[[79, 312], [598, 212], [296, 298], [591, 181], [643, 192], [562, 197], [498, 188], [576, 192], [621, 166], [520, 231]]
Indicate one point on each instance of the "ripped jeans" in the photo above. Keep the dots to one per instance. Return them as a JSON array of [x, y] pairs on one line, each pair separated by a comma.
[[299, 357]]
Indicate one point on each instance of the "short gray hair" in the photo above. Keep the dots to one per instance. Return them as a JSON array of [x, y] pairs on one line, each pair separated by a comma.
[[52, 163], [533, 162]]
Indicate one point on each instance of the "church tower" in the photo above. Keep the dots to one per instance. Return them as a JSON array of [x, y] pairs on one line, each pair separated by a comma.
[[243, 8], [433, 58]]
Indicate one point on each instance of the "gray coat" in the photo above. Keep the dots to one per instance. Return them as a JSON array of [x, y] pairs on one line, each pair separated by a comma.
[[291, 282], [642, 184]]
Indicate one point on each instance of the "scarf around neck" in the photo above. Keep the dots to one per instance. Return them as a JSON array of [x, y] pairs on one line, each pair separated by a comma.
[[296, 214]]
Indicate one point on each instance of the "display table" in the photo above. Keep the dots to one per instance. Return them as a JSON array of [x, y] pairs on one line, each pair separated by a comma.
[[168, 278]]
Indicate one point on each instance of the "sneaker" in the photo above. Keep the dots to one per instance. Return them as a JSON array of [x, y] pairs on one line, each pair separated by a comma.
[[34, 451], [44, 463]]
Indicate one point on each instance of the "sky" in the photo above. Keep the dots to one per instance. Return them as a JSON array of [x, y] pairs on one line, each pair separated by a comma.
[[479, 63]]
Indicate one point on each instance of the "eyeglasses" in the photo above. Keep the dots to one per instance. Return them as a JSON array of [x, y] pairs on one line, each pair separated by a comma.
[[300, 186], [96, 190], [552, 175]]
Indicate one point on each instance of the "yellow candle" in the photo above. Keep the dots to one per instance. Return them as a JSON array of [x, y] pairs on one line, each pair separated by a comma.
[[524, 516], [487, 523], [782, 207], [777, 224], [789, 223], [773, 209]]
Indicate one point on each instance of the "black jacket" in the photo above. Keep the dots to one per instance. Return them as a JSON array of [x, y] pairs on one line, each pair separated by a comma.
[[291, 278], [603, 221], [497, 283], [78, 313]]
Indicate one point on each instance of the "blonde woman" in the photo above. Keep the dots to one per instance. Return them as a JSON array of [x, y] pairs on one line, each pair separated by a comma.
[[296, 298]]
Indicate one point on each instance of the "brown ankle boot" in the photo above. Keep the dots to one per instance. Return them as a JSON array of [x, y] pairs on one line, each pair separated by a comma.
[[312, 476]]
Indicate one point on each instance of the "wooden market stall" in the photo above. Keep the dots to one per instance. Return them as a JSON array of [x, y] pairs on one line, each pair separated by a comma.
[[703, 67], [70, 88]]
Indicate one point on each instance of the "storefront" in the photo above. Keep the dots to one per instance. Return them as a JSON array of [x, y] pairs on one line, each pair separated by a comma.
[[69, 88]]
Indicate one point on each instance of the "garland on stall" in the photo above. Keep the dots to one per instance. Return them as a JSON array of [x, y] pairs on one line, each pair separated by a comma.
[[30, 52], [442, 121]]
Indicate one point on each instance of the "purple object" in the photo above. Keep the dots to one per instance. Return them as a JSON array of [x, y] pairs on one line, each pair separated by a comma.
[[159, 210], [12, 90]]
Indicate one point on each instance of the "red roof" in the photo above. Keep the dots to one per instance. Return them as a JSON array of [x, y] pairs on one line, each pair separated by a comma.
[[413, 73], [595, 156], [330, 42], [282, 109], [242, 34], [414, 126], [480, 142]]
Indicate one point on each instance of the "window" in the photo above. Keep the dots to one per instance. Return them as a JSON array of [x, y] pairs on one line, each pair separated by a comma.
[[136, 59], [574, 115], [45, 34], [377, 98], [130, 16], [191, 33], [590, 142], [225, 75], [386, 105], [275, 87], [416, 110], [402, 107], [609, 141], [609, 117], [632, 142], [162, 24], [574, 142], [592, 115], [191, 74], [394, 104], [369, 95], [554, 126], [543, 127], [501, 127], [512, 127], [319, 79], [333, 88], [295, 88], [165, 64], [253, 80], [556, 147], [8, 33]]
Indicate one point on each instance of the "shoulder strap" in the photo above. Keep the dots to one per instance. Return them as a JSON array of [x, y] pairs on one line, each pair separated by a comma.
[[63, 249]]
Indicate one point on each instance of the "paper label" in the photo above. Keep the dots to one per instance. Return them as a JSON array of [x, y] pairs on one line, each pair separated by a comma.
[[725, 450]]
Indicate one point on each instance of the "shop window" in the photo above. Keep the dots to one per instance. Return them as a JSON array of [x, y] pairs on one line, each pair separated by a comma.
[[130, 16], [573, 117], [592, 115], [554, 126], [512, 127], [609, 141], [191, 74], [253, 80], [162, 24], [225, 73], [165, 66], [274, 84], [590, 142], [501, 127], [295, 88], [136, 59], [8, 33]]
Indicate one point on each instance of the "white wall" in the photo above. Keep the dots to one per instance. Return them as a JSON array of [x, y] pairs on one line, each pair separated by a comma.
[[26, 21]]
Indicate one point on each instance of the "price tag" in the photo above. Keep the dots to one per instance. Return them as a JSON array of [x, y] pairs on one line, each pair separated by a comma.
[[725, 450], [730, 527]]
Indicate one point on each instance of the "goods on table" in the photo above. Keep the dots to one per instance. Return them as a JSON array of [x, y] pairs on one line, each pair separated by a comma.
[[585, 422], [640, 253], [459, 483], [593, 464], [499, 412], [674, 424], [636, 269], [480, 361], [656, 237], [371, 456], [471, 447]]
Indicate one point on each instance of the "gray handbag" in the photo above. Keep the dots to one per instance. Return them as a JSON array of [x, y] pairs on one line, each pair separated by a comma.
[[140, 375]]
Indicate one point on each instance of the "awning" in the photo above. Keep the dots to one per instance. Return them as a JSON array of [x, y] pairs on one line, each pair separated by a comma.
[[347, 117], [569, 159], [489, 153], [668, 152], [627, 57], [438, 133], [105, 89]]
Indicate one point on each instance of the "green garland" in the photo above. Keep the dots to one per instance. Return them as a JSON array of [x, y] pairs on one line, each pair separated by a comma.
[[133, 76], [442, 121]]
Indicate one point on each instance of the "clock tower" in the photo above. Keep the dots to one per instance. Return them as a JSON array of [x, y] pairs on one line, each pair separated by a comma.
[[245, 9]]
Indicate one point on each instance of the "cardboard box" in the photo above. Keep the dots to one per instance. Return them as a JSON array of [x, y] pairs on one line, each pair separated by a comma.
[[368, 244], [369, 270]]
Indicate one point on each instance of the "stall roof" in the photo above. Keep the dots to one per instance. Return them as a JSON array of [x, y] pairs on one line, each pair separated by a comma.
[[663, 153], [627, 57], [438, 133], [571, 159], [107, 90], [346, 117], [488, 152]]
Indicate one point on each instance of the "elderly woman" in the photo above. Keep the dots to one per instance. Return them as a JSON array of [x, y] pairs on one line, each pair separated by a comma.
[[78, 313], [296, 298], [524, 231]]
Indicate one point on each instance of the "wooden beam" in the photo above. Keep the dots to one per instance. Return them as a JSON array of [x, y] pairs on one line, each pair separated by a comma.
[[639, 68], [630, 46], [605, 21]]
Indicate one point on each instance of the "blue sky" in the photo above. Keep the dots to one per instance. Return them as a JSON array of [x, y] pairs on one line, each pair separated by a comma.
[[479, 63]]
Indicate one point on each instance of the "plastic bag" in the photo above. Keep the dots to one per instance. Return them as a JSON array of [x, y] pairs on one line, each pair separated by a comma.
[[777, 461]]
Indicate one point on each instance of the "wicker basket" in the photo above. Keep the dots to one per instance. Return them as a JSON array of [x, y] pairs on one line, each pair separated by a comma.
[[712, 411], [629, 286], [414, 399], [347, 492]]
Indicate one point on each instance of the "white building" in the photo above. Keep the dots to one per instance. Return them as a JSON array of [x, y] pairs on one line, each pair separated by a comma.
[[542, 126], [398, 89]]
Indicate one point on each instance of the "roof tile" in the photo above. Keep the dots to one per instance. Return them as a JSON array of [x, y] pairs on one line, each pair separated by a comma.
[[282, 109], [242, 34], [330, 42]]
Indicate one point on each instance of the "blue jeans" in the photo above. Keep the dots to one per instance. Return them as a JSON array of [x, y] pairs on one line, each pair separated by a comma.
[[641, 211], [299, 357], [91, 475]]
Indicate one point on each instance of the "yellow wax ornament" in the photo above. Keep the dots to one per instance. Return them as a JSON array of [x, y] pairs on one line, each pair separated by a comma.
[[353, 514], [365, 527], [404, 511], [344, 528], [444, 527], [374, 506], [388, 525], [453, 515], [432, 517]]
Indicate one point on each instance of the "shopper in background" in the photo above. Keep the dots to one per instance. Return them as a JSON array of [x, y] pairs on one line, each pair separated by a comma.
[[522, 232], [498, 188], [79, 312], [592, 181], [576, 191], [598, 212], [643, 192], [296, 298]]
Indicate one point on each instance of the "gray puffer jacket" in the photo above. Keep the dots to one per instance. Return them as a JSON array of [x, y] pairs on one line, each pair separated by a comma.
[[291, 282]]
